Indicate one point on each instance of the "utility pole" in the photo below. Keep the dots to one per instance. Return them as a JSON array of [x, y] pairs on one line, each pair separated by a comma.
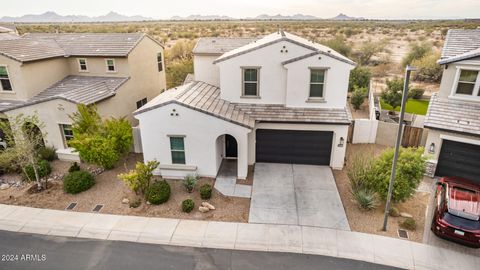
[[408, 70]]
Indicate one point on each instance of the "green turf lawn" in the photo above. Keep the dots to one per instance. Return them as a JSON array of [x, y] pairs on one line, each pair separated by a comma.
[[415, 106]]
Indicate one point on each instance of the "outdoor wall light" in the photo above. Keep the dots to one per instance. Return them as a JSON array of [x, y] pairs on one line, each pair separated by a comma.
[[431, 149], [342, 141]]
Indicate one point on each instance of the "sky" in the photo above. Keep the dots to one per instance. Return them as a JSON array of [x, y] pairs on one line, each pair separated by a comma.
[[158, 9]]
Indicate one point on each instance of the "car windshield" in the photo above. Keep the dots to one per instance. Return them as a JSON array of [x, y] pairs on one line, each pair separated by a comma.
[[462, 223]]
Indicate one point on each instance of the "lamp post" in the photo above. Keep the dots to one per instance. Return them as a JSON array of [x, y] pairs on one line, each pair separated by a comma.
[[408, 70]]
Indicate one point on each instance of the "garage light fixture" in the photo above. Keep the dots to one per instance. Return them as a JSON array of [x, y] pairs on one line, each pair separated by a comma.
[[342, 141], [431, 149]]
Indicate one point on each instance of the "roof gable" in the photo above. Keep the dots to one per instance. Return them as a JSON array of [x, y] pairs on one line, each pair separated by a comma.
[[460, 44]]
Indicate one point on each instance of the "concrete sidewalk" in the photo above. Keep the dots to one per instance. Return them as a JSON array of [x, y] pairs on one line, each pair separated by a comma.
[[239, 236]]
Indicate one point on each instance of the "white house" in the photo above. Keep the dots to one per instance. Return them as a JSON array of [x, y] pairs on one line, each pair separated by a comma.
[[453, 117], [280, 98]]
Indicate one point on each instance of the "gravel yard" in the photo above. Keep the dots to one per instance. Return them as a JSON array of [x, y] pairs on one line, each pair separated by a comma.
[[110, 191]]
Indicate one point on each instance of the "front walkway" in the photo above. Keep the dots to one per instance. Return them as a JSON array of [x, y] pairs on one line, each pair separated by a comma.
[[226, 181], [238, 236], [296, 195]]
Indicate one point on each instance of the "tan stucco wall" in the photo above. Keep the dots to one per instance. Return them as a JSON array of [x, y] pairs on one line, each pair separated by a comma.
[[145, 81], [29, 79], [97, 66]]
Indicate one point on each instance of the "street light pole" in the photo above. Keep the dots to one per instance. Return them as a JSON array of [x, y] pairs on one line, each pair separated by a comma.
[[408, 70]]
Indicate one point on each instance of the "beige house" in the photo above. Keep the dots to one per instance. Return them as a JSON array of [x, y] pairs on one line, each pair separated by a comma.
[[49, 74]]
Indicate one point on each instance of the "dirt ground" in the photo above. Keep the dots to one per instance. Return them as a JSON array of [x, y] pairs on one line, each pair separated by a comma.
[[110, 191], [372, 221]]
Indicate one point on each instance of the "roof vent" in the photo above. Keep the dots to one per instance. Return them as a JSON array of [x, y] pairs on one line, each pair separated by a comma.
[[5, 103]]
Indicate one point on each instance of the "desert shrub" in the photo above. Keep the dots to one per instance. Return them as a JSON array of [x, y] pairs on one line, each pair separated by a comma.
[[135, 203], [74, 167], [338, 44], [409, 173], [366, 199], [158, 192], [43, 169], [358, 97], [47, 153], [139, 179], [428, 70], [416, 51], [358, 170], [369, 49], [416, 93], [189, 182], [206, 191], [188, 205], [177, 71], [392, 95], [359, 77], [78, 181], [394, 212], [409, 224]]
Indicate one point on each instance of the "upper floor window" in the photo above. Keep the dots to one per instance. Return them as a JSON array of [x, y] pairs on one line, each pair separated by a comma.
[[177, 148], [110, 65], [82, 64], [250, 81], [317, 82], [468, 83], [5, 79], [141, 102], [159, 61]]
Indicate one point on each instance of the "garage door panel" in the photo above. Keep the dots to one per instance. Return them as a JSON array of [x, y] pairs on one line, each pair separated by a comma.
[[293, 146], [459, 159]]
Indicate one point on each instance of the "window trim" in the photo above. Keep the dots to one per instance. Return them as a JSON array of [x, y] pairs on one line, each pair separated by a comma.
[[476, 88], [171, 150], [141, 100], [80, 65], [160, 62], [324, 92], [11, 83], [243, 81], [114, 65], [62, 131]]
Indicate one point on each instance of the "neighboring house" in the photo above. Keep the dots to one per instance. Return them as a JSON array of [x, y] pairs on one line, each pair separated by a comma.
[[280, 98], [49, 74], [453, 117], [8, 31]]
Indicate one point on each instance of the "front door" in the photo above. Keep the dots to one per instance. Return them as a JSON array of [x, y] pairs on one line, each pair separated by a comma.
[[231, 150]]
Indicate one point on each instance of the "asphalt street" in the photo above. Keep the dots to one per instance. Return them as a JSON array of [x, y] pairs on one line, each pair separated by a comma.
[[30, 251]]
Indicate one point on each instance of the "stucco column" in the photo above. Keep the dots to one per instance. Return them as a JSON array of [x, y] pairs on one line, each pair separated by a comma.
[[242, 156]]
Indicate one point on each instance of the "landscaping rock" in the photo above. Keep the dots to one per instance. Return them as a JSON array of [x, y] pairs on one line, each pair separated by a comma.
[[4, 186], [406, 215], [203, 209], [149, 203], [208, 205], [125, 201]]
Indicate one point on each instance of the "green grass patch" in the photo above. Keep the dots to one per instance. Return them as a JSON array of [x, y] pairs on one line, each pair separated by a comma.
[[414, 106]]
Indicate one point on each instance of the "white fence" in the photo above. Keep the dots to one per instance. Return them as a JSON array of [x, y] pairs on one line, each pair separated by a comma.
[[365, 130], [137, 140]]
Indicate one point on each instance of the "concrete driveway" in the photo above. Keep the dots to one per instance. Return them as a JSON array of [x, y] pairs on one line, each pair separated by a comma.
[[296, 194]]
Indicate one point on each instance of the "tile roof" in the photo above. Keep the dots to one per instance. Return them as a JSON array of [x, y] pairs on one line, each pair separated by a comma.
[[6, 104], [453, 115], [283, 36], [5, 36], [8, 27], [459, 42], [205, 98], [220, 45], [25, 50], [77, 89]]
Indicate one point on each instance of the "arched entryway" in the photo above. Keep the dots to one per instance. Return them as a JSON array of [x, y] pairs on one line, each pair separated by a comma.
[[227, 155], [33, 131]]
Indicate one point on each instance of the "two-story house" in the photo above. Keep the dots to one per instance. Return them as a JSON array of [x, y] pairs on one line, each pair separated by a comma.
[[453, 117], [280, 99], [49, 74]]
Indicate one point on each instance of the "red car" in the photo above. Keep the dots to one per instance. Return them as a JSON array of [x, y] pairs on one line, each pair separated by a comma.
[[457, 211]]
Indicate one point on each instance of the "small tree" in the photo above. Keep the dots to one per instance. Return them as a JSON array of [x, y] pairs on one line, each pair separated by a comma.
[[428, 70], [339, 44], [23, 144], [359, 77], [392, 95], [139, 179], [417, 51], [358, 97], [368, 50]]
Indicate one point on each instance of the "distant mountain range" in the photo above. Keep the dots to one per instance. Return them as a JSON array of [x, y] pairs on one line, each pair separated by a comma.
[[52, 17]]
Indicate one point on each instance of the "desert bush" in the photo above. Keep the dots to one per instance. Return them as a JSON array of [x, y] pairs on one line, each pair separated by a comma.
[[428, 70], [394, 212], [135, 203], [392, 95], [74, 167], [358, 170], [416, 51], [206, 191], [47, 153], [177, 71], [78, 181], [358, 97], [366, 198], [158, 192], [359, 77], [139, 179], [409, 224], [416, 93], [369, 49], [43, 168], [338, 44], [188, 205], [189, 182]]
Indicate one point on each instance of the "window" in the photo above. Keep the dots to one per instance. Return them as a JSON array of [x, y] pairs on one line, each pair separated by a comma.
[[110, 65], [82, 63], [177, 147], [141, 102], [67, 133], [317, 81], [250, 81], [466, 82], [4, 79], [159, 61]]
